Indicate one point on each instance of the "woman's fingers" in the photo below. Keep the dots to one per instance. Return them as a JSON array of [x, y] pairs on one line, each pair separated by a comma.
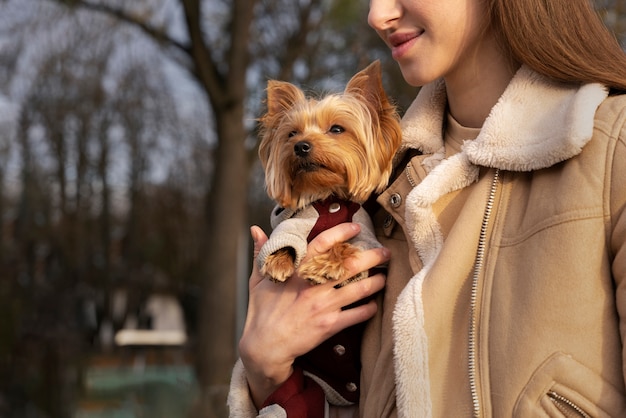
[[365, 260], [258, 238], [349, 295], [326, 239]]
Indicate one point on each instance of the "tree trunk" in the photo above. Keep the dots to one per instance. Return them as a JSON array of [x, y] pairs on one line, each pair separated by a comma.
[[226, 207]]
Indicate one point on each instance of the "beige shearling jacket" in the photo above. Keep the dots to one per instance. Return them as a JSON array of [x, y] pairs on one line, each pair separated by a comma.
[[520, 311], [518, 308]]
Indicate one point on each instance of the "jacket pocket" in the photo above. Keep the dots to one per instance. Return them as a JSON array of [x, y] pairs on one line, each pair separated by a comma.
[[563, 387]]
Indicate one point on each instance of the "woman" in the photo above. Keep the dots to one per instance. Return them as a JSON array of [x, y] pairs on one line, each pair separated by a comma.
[[506, 224]]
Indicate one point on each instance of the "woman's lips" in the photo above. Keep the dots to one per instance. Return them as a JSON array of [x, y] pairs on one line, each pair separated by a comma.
[[401, 42]]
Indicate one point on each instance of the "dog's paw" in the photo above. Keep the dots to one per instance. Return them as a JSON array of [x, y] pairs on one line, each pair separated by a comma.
[[328, 266], [279, 266]]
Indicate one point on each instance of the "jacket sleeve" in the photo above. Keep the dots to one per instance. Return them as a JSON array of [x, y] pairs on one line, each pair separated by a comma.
[[298, 397], [239, 400], [618, 224], [290, 233]]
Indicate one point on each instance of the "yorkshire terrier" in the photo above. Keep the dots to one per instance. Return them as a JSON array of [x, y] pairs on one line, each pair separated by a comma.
[[323, 158]]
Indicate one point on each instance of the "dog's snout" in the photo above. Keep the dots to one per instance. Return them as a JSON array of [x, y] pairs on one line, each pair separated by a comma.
[[302, 148]]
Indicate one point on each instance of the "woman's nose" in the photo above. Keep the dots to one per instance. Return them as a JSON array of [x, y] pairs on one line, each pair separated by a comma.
[[383, 14]]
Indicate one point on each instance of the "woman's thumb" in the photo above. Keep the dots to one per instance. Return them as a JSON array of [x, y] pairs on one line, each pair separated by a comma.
[[258, 237]]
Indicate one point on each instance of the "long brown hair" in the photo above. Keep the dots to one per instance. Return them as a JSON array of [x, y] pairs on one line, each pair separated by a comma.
[[563, 39]]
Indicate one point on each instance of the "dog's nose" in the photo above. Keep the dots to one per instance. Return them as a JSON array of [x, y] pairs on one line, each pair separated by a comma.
[[302, 148]]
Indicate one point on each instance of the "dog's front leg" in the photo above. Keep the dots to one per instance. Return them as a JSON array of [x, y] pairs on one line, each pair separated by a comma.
[[329, 265], [279, 266]]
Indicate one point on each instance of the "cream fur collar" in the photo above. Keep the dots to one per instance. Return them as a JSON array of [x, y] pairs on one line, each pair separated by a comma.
[[535, 124]]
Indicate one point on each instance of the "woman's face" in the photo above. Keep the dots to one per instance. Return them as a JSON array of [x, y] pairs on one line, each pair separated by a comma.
[[431, 38]]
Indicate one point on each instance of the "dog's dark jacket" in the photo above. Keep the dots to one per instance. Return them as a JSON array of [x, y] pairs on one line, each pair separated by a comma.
[[332, 369]]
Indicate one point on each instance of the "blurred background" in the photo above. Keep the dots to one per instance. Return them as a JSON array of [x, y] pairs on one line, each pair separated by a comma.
[[129, 179]]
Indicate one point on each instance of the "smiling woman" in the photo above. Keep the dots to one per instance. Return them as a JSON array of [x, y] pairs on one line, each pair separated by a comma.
[[434, 39], [491, 280]]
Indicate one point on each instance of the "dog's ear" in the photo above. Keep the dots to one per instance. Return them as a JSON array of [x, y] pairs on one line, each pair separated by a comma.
[[282, 96], [368, 83]]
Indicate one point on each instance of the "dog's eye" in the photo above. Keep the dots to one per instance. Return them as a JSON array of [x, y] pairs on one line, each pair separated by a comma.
[[292, 134], [336, 129]]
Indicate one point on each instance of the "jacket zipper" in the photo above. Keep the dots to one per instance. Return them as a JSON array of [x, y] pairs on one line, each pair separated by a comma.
[[567, 407], [478, 266]]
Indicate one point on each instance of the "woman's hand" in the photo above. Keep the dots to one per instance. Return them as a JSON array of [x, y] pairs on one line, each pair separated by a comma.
[[286, 320]]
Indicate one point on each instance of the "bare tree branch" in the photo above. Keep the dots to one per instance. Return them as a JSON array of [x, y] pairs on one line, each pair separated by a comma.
[[155, 33], [205, 68]]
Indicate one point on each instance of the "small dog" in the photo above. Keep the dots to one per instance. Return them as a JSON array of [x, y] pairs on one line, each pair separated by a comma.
[[322, 160]]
